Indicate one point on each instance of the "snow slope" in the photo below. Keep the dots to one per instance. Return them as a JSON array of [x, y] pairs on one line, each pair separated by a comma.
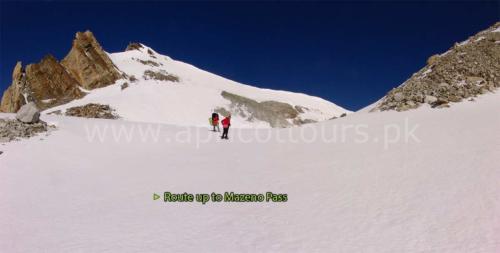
[[437, 192], [190, 101]]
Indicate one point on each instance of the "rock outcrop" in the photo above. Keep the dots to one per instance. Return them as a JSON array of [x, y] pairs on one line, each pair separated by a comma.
[[133, 46], [468, 69], [160, 75], [96, 111], [13, 97], [277, 114], [28, 113], [46, 83], [13, 129], [50, 83], [89, 64]]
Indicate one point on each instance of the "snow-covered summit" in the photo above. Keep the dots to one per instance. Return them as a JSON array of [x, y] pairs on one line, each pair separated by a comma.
[[156, 88]]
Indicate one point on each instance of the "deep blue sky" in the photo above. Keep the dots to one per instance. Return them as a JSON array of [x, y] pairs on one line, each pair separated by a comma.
[[348, 53]]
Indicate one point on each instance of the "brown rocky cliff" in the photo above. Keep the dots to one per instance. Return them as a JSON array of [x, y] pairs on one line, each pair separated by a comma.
[[13, 98], [89, 64], [50, 83], [46, 83]]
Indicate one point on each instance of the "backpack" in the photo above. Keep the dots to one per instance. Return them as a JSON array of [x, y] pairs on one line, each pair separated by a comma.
[[215, 116]]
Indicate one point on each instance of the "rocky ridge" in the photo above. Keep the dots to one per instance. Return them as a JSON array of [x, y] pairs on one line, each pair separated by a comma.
[[89, 64], [50, 83], [468, 69]]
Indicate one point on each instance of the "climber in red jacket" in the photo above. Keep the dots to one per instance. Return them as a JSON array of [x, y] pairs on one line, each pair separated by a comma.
[[226, 123]]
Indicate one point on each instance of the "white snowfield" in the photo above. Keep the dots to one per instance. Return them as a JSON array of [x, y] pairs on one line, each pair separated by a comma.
[[434, 190], [191, 101]]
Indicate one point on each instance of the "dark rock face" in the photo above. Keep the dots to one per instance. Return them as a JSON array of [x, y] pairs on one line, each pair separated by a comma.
[[149, 62], [50, 83], [133, 46], [97, 111], [89, 64], [160, 76], [468, 69]]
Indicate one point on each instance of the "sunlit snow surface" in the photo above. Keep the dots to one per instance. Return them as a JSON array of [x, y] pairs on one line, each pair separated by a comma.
[[436, 193]]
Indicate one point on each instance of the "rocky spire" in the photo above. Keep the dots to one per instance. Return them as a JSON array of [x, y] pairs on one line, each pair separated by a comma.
[[46, 83], [88, 62], [12, 98], [50, 83]]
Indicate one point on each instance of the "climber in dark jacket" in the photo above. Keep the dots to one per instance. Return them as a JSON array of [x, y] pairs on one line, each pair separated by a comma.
[[215, 121]]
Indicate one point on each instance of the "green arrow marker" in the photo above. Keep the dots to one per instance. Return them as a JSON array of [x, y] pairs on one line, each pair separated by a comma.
[[155, 196]]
